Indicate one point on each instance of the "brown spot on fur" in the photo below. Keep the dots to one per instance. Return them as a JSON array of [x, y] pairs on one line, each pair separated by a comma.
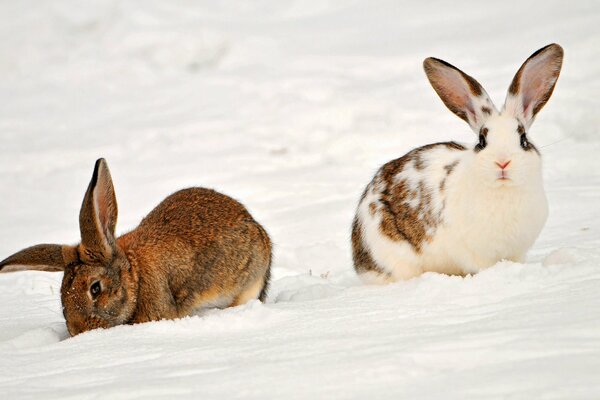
[[363, 262], [416, 155], [486, 110], [521, 129], [419, 163], [449, 169], [451, 145], [443, 184], [400, 221], [372, 209]]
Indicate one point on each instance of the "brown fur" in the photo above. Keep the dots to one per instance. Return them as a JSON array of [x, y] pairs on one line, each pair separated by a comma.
[[363, 262], [399, 221], [197, 248], [45, 257], [449, 169], [372, 209]]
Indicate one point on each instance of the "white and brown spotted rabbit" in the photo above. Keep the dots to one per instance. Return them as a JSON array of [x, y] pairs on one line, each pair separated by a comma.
[[196, 249], [453, 208]]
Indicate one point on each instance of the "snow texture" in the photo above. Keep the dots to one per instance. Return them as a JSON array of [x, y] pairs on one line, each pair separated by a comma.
[[291, 107]]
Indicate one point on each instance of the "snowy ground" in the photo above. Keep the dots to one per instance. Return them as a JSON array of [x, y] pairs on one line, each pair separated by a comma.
[[291, 107]]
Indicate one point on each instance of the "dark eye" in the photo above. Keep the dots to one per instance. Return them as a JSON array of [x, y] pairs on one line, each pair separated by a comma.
[[482, 142], [524, 142], [95, 289]]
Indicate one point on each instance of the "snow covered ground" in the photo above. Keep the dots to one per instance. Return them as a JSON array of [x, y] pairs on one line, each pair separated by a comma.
[[290, 107]]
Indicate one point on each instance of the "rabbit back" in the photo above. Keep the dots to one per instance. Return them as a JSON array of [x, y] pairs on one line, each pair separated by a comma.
[[401, 210], [197, 249]]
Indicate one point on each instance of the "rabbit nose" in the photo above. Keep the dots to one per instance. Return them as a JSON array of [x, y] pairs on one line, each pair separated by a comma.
[[75, 328], [503, 165], [73, 331]]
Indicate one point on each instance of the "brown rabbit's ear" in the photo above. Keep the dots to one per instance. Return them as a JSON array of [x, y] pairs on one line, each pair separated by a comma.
[[42, 257], [534, 83], [98, 215], [461, 93]]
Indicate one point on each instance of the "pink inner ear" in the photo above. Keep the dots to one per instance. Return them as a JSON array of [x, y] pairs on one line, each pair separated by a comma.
[[537, 80], [455, 88], [104, 204], [455, 92]]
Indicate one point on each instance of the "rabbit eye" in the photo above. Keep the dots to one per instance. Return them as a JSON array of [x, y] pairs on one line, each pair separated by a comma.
[[95, 289], [482, 142], [524, 142], [482, 139]]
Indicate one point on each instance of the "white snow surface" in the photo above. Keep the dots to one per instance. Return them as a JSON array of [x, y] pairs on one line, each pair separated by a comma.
[[290, 107]]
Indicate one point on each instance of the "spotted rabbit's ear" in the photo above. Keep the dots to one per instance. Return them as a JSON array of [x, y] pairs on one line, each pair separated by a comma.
[[534, 83], [41, 257], [98, 216], [461, 93]]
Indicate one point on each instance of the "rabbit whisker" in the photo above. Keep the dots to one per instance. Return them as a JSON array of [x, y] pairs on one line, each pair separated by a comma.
[[553, 143]]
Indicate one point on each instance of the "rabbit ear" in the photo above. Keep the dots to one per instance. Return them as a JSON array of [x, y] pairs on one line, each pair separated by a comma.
[[98, 215], [534, 82], [42, 257], [462, 94]]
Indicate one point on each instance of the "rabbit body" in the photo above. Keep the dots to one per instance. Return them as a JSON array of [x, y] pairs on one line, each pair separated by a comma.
[[454, 208], [203, 249], [425, 212], [197, 249]]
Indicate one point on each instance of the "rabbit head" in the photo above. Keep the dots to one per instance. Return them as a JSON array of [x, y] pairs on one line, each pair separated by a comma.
[[98, 288], [504, 154]]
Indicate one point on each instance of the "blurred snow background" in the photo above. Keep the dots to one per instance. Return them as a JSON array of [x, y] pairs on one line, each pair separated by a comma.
[[290, 107]]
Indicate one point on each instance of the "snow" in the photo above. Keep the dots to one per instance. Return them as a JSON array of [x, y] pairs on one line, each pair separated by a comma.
[[291, 107]]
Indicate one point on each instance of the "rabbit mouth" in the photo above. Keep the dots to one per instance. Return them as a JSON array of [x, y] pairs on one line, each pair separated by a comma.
[[503, 176], [503, 179]]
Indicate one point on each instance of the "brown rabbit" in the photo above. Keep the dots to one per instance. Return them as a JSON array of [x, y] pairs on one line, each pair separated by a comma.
[[197, 249]]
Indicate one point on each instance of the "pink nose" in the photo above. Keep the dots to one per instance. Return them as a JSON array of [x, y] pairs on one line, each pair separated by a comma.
[[503, 165]]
